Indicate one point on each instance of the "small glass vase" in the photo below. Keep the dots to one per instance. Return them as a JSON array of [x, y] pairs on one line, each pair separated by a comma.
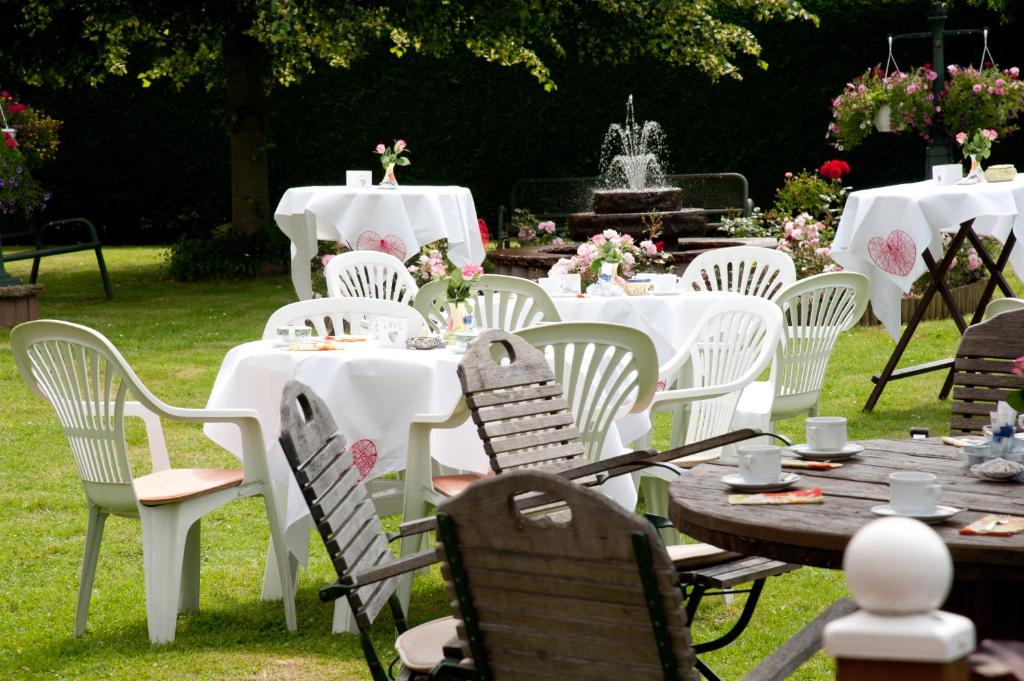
[[389, 181], [976, 174], [459, 313]]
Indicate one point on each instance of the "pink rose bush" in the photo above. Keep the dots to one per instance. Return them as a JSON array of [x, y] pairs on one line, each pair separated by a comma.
[[431, 264], [531, 232]]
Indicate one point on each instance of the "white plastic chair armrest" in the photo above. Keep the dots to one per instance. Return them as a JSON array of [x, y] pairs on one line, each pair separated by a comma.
[[456, 417], [154, 434], [684, 395]]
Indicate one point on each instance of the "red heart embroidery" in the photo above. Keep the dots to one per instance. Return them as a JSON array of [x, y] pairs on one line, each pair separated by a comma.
[[364, 456], [388, 243], [895, 254]]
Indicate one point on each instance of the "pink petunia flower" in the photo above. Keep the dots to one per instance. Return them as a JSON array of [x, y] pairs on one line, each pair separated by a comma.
[[976, 88], [546, 226]]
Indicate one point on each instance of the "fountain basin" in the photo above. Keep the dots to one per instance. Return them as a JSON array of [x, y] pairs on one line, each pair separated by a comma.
[[531, 262], [688, 222], [638, 200]]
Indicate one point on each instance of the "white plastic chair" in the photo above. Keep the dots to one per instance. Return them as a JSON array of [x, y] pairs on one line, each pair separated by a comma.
[[341, 315], [503, 302], [370, 274], [1000, 305], [731, 344], [750, 270], [815, 311], [88, 382]]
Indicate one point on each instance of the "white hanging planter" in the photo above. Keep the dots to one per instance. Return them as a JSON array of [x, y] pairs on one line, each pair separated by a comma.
[[883, 118]]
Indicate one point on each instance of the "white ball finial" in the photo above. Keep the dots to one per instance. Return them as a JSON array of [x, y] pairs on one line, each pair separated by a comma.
[[898, 566]]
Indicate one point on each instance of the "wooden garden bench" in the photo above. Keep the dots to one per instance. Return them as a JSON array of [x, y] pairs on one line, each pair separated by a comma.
[[91, 243]]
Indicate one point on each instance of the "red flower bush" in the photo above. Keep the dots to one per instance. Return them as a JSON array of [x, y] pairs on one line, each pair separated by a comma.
[[834, 169]]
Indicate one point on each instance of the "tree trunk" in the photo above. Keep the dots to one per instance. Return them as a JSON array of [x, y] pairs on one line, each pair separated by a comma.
[[244, 64]]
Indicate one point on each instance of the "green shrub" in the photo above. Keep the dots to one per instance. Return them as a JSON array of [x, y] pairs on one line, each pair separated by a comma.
[[227, 253]]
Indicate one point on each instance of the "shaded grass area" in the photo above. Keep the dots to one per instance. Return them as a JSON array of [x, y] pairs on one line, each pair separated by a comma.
[[175, 336]]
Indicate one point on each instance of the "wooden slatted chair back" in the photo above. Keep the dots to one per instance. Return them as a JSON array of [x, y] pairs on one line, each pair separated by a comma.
[[518, 407], [592, 597], [815, 311], [606, 371], [340, 505], [983, 369], [501, 302]]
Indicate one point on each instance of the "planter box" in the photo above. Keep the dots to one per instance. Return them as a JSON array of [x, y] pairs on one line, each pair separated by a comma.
[[966, 297], [18, 304]]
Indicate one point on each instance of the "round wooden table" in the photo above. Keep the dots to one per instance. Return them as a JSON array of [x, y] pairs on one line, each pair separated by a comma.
[[988, 584]]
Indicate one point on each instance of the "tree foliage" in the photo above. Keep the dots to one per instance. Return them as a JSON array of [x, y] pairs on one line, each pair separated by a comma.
[[59, 40]]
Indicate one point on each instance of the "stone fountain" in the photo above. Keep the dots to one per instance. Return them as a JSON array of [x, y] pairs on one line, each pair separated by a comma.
[[632, 185]]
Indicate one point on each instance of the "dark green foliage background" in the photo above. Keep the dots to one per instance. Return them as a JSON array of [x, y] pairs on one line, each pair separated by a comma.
[[152, 164]]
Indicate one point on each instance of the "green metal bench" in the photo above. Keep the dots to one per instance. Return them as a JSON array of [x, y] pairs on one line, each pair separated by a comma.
[[41, 251], [558, 197]]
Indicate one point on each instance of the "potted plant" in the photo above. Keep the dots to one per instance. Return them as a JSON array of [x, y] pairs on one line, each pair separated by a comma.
[[391, 157], [986, 99], [893, 103], [911, 100]]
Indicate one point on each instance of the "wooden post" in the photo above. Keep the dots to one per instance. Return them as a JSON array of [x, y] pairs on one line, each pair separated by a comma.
[[899, 572], [18, 304]]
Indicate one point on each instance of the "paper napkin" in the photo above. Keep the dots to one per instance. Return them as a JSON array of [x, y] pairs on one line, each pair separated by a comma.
[[800, 496], [995, 526]]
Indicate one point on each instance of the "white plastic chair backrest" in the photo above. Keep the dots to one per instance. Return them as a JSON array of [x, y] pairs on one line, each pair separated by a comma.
[[606, 371], [88, 383], [503, 302], [334, 316], [750, 270], [370, 274], [731, 345], [1000, 305], [815, 311]]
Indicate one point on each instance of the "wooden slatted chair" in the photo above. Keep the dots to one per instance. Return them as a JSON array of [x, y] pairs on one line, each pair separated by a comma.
[[982, 369], [591, 597], [368, 573], [525, 422]]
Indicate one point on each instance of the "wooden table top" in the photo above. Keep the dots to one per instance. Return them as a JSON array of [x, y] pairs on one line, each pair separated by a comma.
[[817, 534]]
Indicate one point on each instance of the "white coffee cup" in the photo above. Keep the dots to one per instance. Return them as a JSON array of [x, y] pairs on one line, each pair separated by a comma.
[[913, 492], [551, 285], [826, 433], [947, 173], [358, 178], [759, 463], [294, 332], [571, 283], [665, 282]]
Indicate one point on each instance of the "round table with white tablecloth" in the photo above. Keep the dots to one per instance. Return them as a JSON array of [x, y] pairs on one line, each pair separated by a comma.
[[398, 221], [667, 319]]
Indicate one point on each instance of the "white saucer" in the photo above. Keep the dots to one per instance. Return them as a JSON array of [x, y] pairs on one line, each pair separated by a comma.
[[937, 515], [851, 449], [673, 292], [562, 295], [285, 343], [736, 481]]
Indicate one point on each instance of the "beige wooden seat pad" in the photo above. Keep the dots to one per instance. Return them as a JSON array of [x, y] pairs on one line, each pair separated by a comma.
[[177, 484], [453, 485], [698, 555], [421, 647]]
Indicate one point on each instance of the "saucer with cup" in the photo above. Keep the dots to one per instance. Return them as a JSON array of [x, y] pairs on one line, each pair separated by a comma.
[[293, 333], [665, 284], [915, 494], [553, 286], [826, 440], [760, 470]]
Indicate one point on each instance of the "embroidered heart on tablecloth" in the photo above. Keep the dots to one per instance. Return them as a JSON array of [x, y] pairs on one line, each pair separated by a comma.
[[386, 243], [895, 254], [364, 456]]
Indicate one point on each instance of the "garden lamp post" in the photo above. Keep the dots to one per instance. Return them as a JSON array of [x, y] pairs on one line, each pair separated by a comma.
[[938, 151]]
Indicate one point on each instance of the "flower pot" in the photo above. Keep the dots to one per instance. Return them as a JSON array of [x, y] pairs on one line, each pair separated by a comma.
[[883, 118]]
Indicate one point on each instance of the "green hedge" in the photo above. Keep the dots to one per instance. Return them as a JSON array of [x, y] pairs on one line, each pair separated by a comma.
[[150, 163]]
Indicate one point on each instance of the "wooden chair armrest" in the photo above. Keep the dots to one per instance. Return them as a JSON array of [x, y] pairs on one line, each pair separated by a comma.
[[414, 527], [392, 569], [801, 646]]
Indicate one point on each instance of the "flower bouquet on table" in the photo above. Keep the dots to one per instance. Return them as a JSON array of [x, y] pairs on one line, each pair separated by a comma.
[[391, 157], [461, 287], [977, 148], [605, 260]]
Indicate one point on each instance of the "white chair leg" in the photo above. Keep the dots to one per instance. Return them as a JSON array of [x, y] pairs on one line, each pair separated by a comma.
[[655, 491], [188, 598], [93, 536], [163, 548], [297, 540], [415, 505], [282, 557]]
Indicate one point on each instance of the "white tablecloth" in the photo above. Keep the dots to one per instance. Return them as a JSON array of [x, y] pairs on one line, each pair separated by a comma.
[[373, 394], [884, 231], [666, 319], [397, 221]]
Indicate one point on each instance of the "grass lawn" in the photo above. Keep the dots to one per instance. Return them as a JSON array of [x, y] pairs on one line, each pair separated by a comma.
[[175, 335]]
